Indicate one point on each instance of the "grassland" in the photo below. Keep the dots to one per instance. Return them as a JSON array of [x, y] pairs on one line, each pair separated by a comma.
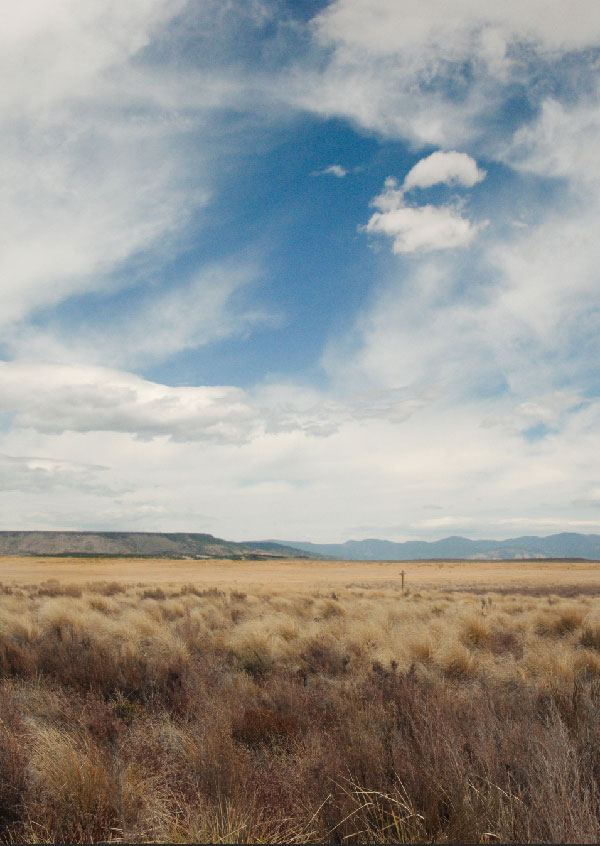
[[299, 702]]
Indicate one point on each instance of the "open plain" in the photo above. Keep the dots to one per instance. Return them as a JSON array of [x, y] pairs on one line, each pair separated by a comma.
[[443, 575], [299, 701]]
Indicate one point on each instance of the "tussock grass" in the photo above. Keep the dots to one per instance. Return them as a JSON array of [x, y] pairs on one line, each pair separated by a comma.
[[590, 636], [193, 714], [475, 631], [563, 621]]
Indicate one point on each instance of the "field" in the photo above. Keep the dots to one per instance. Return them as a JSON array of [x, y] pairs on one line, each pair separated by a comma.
[[299, 701], [302, 574]]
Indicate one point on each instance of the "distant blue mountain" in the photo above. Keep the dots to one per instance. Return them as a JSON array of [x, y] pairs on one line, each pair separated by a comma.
[[563, 545]]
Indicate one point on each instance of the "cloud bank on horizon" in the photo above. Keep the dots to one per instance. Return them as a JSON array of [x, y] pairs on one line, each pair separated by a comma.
[[300, 270]]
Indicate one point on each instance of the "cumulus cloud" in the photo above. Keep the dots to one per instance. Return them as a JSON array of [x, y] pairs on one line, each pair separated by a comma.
[[56, 398], [423, 229], [450, 168], [418, 229]]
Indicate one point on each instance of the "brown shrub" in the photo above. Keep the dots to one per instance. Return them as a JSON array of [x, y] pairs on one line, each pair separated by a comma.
[[52, 587], [154, 593], [106, 588], [330, 608], [13, 766], [590, 637], [260, 726], [99, 603], [560, 623], [323, 656], [16, 660], [193, 590], [503, 641], [238, 596]]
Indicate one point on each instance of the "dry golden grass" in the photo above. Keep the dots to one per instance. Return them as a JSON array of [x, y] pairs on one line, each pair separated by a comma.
[[111, 573], [457, 633], [318, 706], [280, 624]]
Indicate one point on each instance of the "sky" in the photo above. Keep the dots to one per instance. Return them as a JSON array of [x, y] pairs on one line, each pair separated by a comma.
[[300, 269]]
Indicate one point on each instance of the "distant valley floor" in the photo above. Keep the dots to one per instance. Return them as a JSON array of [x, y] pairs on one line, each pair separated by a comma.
[[542, 576]]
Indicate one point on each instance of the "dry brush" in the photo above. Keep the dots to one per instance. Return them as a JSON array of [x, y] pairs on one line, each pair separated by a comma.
[[182, 714]]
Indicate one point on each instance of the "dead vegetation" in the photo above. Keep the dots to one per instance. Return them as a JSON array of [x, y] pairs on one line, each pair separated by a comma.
[[145, 713]]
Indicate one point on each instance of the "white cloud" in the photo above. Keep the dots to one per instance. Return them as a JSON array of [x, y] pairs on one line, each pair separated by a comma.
[[83, 185], [288, 408], [49, 475], [549, 281], [181, 317], [450, 168], [551, 524], [446, 523], [432, 72], [548, 410], [548, 296], [423, 229], [64, 226], [334, 170], [562, 142], [57, 398], [384, 26], [62, 51], [98, 179], [530, 333], [418, 229], [283, 483]]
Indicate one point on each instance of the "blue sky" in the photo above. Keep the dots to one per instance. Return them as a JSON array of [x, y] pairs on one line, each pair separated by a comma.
[[308, 270]]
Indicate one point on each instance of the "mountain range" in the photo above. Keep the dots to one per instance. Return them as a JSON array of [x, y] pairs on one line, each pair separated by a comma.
[[563, 545], [202, 545], [138, 544]]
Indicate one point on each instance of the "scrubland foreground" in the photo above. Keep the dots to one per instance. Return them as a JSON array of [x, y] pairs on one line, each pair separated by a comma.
[[185, 714]]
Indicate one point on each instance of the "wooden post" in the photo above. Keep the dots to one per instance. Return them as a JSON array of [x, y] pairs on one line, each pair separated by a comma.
[[402, 574]]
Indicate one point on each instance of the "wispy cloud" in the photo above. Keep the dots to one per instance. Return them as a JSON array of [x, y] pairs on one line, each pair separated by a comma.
[[333, 170], [430, 73], [153, 325], [50, 475], [101, 186]]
